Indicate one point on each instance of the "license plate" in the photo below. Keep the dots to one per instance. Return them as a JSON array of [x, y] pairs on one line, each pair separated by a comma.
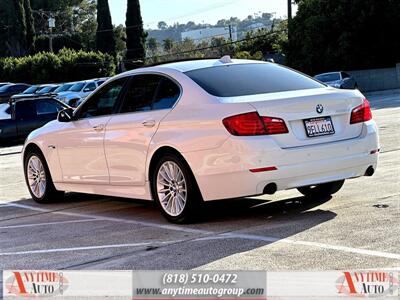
[[319, 126]]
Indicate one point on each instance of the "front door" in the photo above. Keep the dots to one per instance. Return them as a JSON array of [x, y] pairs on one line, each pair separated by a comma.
[[80, 146]]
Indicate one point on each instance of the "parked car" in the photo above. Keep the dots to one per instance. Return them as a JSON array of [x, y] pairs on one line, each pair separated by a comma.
[[194, 131], [78, 91], [62, 88], [4, 83], [340, 80], [27, 115], [36, 91], [30, 90], [8, 90], [47, 89]]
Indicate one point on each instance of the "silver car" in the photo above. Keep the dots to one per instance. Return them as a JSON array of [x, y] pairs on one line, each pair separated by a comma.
[[340, 80]]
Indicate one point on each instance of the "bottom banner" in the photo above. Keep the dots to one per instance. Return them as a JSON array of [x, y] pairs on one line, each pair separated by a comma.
[[152, 285]]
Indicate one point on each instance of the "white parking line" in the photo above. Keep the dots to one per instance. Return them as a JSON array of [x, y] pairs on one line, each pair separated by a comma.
[[143, 223], [24, 206], [81, 248], [233, 235], [49, 223], [216, 235]]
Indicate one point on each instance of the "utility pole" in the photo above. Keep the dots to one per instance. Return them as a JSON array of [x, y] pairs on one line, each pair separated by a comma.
[[230, 32], [52, 24], [289, 14]]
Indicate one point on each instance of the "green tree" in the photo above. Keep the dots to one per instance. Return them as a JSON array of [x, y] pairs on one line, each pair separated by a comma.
[[168, 44], [75, 23], [30, 27], [105, 38], [222, 46], [84, 23], [152, 45], [16, 28], [162, 25], [260, 40], [120, 38], [340, 34], [135, 36]]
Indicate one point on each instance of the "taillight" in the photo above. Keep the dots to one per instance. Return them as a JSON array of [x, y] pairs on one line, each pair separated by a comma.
[[244, 124], [252, 124], [274, 125], [361, 113]]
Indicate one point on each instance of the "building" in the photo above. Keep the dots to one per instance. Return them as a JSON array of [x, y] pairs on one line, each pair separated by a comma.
[[206, 34]]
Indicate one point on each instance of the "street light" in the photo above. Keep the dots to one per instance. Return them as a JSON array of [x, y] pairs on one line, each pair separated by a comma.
[[52, 24]]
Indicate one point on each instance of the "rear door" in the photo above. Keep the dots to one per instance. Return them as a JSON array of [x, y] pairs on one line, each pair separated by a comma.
[[128, 135]]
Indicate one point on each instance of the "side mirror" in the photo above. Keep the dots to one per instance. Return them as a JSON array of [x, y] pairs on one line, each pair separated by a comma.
[[66, 115]]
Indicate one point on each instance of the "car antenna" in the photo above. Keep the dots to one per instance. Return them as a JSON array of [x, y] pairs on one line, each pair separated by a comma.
[[226, 59]]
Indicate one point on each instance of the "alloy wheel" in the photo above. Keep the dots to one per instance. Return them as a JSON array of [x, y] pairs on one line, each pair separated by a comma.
[[171, 188], [36, 176]]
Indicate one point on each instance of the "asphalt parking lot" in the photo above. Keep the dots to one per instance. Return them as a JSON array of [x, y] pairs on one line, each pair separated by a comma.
[[357, 229]]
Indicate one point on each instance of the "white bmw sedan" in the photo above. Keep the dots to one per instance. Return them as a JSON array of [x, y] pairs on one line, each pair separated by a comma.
[[194, 131]]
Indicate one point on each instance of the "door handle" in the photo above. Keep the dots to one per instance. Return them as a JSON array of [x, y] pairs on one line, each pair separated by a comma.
[[149, 123], [99, 127]]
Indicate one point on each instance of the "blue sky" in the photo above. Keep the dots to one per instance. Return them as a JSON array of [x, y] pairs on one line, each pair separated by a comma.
[[208, 11]]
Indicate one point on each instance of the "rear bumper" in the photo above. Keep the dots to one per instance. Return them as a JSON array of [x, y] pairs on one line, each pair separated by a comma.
[[223, 173]]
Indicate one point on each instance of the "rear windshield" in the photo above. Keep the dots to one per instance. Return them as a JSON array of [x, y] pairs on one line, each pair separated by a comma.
[[250, 79], [328, 77]]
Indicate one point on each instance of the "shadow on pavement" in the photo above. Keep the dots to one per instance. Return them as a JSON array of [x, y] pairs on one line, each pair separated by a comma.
[[277, 219]]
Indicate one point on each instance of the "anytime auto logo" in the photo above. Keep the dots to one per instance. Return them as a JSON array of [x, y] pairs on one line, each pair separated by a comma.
[[368, 284], [36, 283]]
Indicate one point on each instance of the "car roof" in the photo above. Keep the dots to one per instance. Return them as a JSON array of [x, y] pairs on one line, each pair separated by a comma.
[[36, 99], [190, 65]]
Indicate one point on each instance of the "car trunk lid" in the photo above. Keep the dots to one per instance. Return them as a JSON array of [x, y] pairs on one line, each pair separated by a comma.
[[319, 107]]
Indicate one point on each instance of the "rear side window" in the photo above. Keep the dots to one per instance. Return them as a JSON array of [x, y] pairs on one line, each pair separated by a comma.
[[345, 75], [140, 94], [168, 94], [90, 87], [44, 107], [250, 79]]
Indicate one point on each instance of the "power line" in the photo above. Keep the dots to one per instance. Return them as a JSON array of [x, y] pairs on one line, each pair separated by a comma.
[[232, 42], [213, 47]]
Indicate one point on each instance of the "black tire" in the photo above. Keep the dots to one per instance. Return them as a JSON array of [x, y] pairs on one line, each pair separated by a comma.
[[321, 190], [50, 193], [193, 195]]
